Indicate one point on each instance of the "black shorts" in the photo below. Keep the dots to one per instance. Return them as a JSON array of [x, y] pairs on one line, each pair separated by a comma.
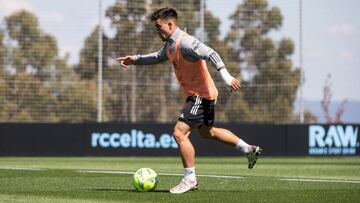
[[198, 111]]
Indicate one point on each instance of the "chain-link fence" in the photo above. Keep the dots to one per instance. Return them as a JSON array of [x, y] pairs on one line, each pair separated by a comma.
[[38, 84]]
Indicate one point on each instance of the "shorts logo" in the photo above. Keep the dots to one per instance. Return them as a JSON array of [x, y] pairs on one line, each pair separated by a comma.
[[195, 108], [182, 115]]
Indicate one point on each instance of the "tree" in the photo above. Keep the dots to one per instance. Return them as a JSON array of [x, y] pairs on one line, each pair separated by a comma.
[[271, 83], [40, 86], [36, 50], [325, 104], [32, 52], [2, 54], [3, 101], [309, 117], [88, 64]]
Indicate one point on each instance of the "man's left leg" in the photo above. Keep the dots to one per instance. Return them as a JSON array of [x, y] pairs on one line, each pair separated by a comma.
[[225, 136]]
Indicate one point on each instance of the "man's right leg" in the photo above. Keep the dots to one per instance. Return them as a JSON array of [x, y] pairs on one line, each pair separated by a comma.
[[187, 153], [186, 149]]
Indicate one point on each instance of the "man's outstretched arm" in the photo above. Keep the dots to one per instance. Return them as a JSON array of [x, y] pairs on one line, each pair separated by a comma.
[[148, 59], [125, 61]]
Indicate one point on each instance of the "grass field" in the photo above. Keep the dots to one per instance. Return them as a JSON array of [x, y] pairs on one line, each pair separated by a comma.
[[93, 179]]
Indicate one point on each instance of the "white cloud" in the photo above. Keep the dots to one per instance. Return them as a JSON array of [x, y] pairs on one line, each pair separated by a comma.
[[343, 29], [51, 17], [8, 7], [314, 53], [346, 56]]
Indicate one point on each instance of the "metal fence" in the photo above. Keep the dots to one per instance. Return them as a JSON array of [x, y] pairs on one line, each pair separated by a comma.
[[39, 84]]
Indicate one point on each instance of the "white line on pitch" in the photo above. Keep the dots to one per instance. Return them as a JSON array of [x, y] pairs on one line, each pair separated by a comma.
[[200, 175], [163, 174], [20, 169], [321, 180], [108, 172]]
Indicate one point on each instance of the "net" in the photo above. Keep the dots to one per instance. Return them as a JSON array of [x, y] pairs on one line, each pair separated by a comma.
[[43, 80]]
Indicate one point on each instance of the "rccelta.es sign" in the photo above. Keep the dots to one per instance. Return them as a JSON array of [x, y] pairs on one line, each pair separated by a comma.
[[134, 139], [333, 140]]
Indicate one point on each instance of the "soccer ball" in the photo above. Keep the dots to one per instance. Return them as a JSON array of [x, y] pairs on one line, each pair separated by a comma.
[[145, 179]]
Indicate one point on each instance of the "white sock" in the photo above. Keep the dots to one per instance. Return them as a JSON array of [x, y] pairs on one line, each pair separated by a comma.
[[243, 146], [189, 174]]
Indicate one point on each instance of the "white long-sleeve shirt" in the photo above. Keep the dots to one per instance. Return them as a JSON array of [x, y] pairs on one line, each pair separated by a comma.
[[191, 49]]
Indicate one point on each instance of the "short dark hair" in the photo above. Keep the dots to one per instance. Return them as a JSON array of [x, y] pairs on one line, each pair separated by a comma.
[[164, 13]]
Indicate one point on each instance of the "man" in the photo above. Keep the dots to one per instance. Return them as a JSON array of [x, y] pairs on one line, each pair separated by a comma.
[[187, 54]]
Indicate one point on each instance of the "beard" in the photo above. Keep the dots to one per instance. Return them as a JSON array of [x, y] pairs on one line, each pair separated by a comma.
[[163, 38]]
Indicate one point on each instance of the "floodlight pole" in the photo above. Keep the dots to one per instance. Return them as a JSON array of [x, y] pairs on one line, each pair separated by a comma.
[[100, 74], [202, 13], [302, 77]]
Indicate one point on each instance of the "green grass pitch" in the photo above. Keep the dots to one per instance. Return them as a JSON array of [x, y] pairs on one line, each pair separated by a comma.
[[69, 179]]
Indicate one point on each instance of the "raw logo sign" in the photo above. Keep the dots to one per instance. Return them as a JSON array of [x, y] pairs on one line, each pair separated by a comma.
[[333, 140]]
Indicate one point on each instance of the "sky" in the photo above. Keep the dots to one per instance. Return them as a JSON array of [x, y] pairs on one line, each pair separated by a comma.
[[331, 35]]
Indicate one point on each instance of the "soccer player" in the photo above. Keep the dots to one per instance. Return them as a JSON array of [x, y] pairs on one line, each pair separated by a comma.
[[188, 55]]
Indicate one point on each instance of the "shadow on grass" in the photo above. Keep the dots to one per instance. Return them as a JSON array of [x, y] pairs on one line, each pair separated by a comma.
[[121, 190], [155, 191]]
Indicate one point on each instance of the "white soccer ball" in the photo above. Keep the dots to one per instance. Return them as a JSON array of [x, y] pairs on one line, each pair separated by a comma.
[[145, 179]]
